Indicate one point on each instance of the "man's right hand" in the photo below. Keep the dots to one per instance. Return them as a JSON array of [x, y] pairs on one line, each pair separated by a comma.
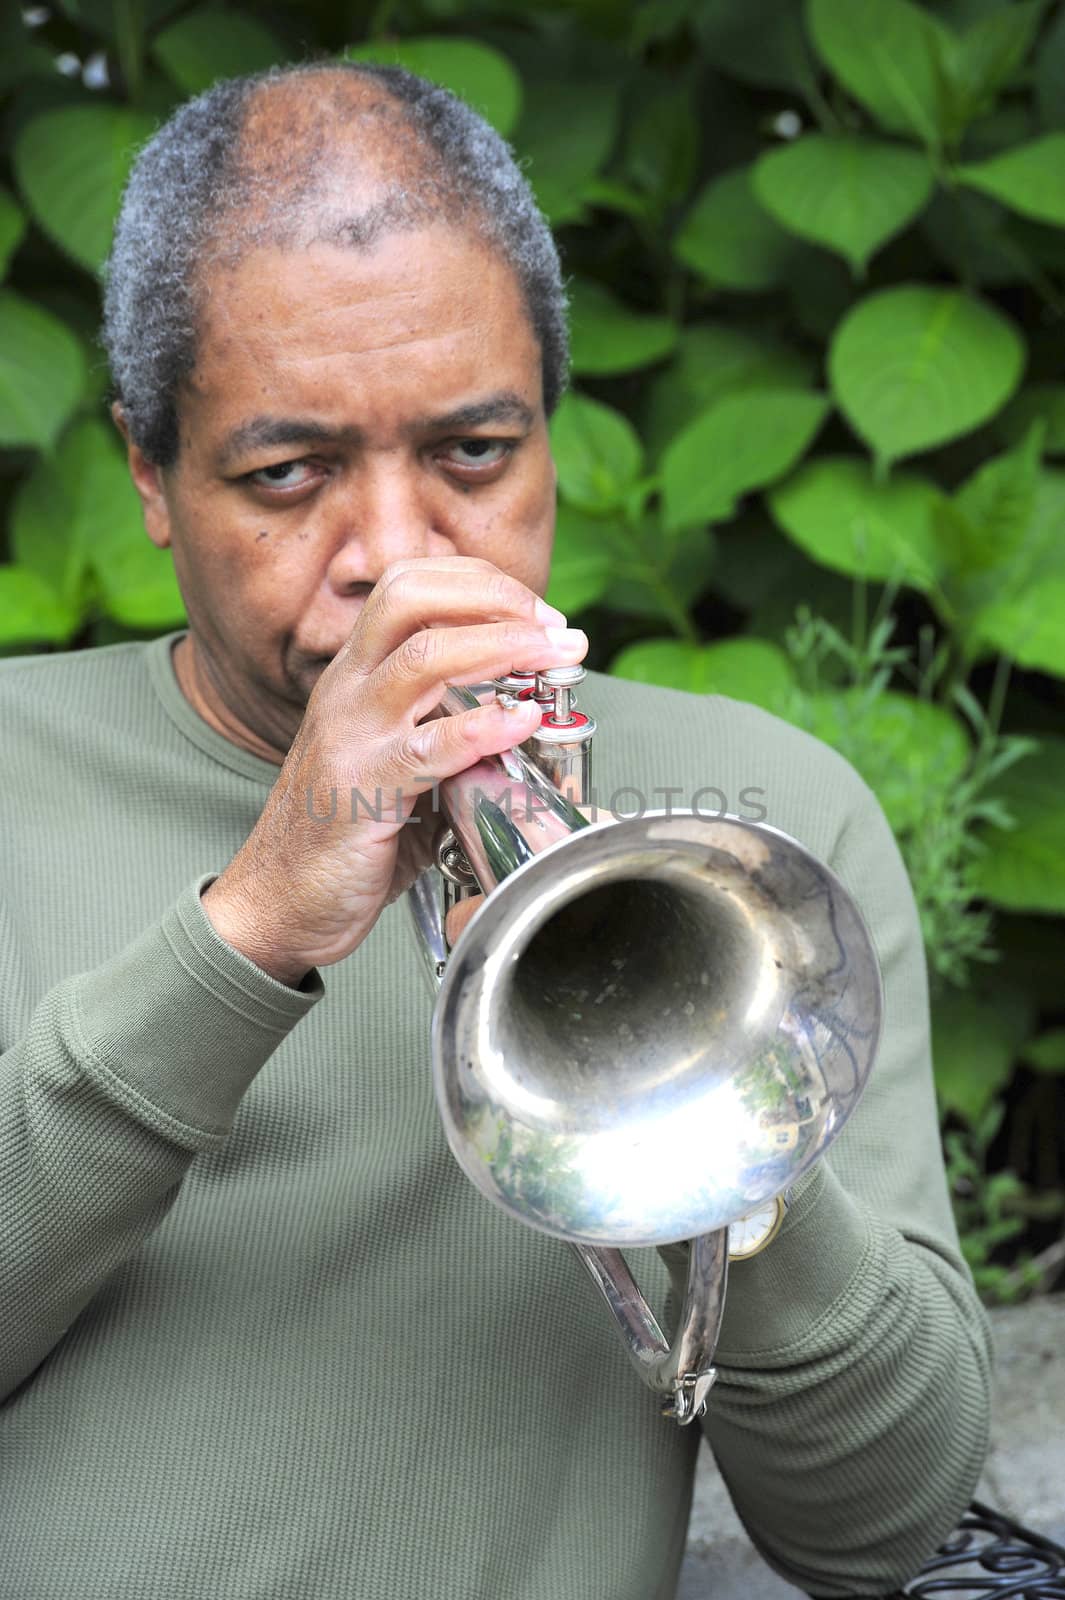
[[304, 890]]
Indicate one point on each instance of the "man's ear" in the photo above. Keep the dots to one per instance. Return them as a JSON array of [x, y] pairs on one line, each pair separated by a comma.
[[148, 482]]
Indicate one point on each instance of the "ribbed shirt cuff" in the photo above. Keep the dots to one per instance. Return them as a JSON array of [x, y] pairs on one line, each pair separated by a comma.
[[175, 1027], [803, 1278]]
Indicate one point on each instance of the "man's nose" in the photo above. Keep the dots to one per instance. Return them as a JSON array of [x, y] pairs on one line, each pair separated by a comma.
[[390, 513]]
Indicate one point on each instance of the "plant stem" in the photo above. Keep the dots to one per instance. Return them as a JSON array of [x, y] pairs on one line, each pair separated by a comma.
[[379, 21], [129, 41], [672, 605], [996, 701], [677, 612]]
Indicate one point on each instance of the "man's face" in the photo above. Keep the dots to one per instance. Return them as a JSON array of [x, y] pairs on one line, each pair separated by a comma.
[[348, 409]]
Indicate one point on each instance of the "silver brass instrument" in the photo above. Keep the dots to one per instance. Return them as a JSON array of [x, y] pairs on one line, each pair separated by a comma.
[[651, 1028]]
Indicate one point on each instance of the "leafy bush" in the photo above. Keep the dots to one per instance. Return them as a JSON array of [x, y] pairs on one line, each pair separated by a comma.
[[817, 270]]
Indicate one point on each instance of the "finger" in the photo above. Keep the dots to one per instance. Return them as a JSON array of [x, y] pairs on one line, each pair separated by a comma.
[[412, 596], [460, 915], [393, 776], [411, 682], [450, 744], [411, 764]]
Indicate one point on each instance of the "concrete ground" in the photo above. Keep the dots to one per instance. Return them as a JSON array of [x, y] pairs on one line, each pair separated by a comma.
[[1024, 1475]]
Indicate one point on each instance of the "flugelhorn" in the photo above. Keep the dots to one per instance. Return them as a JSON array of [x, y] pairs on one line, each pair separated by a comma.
[[651, 1028]]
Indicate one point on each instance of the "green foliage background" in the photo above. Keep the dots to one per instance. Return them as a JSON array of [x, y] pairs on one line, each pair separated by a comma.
[[812, 453]]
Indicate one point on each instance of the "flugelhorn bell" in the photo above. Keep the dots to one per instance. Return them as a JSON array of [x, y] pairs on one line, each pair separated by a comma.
[[651, 1028]]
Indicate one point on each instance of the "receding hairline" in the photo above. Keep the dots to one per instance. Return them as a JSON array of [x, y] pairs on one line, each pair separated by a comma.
[[346, 171], [363, 190], [369, 150]]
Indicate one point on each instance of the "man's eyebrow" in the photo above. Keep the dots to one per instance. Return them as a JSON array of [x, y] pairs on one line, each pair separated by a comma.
[[505, 407], [261, 433]]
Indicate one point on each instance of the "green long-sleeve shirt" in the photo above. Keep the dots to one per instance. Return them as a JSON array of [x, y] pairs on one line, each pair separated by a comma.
[[259, 1337]]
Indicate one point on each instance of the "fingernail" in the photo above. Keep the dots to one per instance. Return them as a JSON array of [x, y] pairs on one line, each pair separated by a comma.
[[548, 614], [565, 638], [511, 705]]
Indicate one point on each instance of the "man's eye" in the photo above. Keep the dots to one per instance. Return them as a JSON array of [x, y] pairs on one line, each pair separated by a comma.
[[478, 452], [282, 475]]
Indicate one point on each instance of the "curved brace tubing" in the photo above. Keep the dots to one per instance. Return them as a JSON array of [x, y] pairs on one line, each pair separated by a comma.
[[682, 1372]]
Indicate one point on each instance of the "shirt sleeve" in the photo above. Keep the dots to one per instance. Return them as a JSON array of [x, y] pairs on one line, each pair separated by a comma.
[[122, 1076], [851, 1413]]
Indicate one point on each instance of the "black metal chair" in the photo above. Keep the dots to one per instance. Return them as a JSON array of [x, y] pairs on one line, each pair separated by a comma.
[[989, 1556]]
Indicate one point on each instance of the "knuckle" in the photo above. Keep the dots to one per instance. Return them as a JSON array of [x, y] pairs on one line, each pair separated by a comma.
[[416, 655], [505, 594], [389, 583], [393, 573], [468, 730], [420, 745], [518, 636]]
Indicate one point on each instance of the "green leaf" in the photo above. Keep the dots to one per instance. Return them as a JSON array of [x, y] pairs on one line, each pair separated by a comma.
[[849, 194], [913, 367], [103, 15], [976, 1039], [1029, 179], [741, 443], [1030, 627], [662, 142], [205, 45], [888, 54], [31, 612], [42, 373], [731, 241], [481, 76], [1023, 608], [609, 337], [1050, 74], [1047, 1053], [742, 669], [1042, 402], [761, 42], [714, 359], [564, 137], [907, 750], [960, 14], [996, 506], [837, 512], [628, 563], [1010, 123], [613, 196], [79, 514], [581, 562], [967, 232], [12, 227], [1024, 868], [72, 166], [754, 560], [597, 453], [658, 19], [655, 572], [988, 54]]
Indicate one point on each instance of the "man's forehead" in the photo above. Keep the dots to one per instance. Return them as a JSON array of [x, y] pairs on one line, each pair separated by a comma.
[[433, 260]]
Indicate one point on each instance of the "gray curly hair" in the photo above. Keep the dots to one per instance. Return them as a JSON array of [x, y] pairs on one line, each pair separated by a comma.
[[221, 177]]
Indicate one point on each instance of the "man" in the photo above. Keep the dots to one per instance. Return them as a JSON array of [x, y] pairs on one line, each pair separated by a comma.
[[261, 1337]]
